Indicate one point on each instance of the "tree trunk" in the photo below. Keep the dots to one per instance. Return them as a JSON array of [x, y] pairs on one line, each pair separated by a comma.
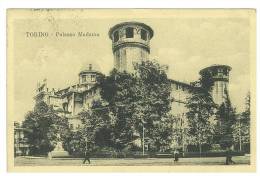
[[200, 148], [228, 156], [200, 144]]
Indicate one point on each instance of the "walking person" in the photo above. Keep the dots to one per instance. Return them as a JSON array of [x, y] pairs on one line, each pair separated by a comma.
[[176, 155], [229, 157], [86, 156]]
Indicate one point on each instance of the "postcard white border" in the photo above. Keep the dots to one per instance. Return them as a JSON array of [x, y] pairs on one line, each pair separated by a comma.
[[105, 4]]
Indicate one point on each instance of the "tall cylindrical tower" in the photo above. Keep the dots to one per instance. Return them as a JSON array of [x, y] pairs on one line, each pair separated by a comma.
[[220, 76], [130, 43]]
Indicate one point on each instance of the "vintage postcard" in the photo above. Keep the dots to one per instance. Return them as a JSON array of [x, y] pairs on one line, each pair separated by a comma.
[[131, 90]]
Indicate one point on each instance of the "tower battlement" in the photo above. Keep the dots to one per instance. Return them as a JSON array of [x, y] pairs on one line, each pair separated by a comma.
[[220, 76], [130, 43]]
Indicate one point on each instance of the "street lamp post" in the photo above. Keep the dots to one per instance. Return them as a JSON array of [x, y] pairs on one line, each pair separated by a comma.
[[183, 135], [143, 139], [86, 140], [240, 140], [143, 123]]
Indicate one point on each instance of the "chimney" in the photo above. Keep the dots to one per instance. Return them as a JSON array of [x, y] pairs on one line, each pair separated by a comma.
[[90, 66]]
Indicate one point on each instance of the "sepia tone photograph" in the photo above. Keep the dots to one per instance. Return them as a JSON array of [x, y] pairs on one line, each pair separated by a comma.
[[130, 89]]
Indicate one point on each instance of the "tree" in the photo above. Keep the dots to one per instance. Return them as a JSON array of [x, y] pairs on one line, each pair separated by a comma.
[[206, 81], [75, 143], [152, 105], [242, 127], [226, 116], [246, 122], [43, 125], [140, 103], [118, 91], [97, 130], [201, 109], [200, 113]]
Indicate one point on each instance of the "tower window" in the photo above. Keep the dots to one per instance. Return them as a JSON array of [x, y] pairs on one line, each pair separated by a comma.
[[143, 34], [116, 36], [220, 72], [84, 78], [225, 72], [129, 32], [214, 72], [93, 78]]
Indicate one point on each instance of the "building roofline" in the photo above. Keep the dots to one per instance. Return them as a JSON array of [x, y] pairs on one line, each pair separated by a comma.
[[148, 28], [70, 92], [89, 71], [215, 66], [61, 90], [182, 83]]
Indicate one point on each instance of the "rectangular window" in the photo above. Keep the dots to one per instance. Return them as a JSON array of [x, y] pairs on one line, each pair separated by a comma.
[[93, 78], [214, 72], [220, 72], [116, 36], [143, 34], [225, 72], [84, 78], [117, 59], [129, 32]]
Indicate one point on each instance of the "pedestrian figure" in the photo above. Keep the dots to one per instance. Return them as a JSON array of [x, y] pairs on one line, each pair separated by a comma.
[[49, 155], [86, 156], [229, 157], [176, 155]]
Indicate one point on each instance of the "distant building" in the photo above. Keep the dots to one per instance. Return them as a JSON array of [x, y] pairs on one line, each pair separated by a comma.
[[73, 99], [21, 147], [130, 43]]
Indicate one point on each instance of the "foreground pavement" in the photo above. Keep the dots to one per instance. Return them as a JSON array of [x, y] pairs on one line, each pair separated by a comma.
[[37, 161]]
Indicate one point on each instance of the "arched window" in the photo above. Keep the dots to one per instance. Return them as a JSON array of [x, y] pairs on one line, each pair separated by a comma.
[[116, 36], [225, 72], [143, 34], [129, 32]]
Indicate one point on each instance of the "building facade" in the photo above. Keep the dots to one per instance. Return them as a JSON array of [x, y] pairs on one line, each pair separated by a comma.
[[130, 44], [21, 147], [68, 102]]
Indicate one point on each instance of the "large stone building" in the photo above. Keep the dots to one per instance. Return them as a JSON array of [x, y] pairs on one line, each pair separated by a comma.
[[130, 43], [21, 146], [68, 102]]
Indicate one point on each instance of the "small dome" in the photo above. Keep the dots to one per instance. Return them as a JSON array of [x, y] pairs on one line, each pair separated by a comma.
[[89, 70]]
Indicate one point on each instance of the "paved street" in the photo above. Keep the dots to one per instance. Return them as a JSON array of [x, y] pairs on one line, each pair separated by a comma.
[[30, 161]]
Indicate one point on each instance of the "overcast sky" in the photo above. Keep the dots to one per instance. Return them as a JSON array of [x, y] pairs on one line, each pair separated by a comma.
[[186, 44]]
